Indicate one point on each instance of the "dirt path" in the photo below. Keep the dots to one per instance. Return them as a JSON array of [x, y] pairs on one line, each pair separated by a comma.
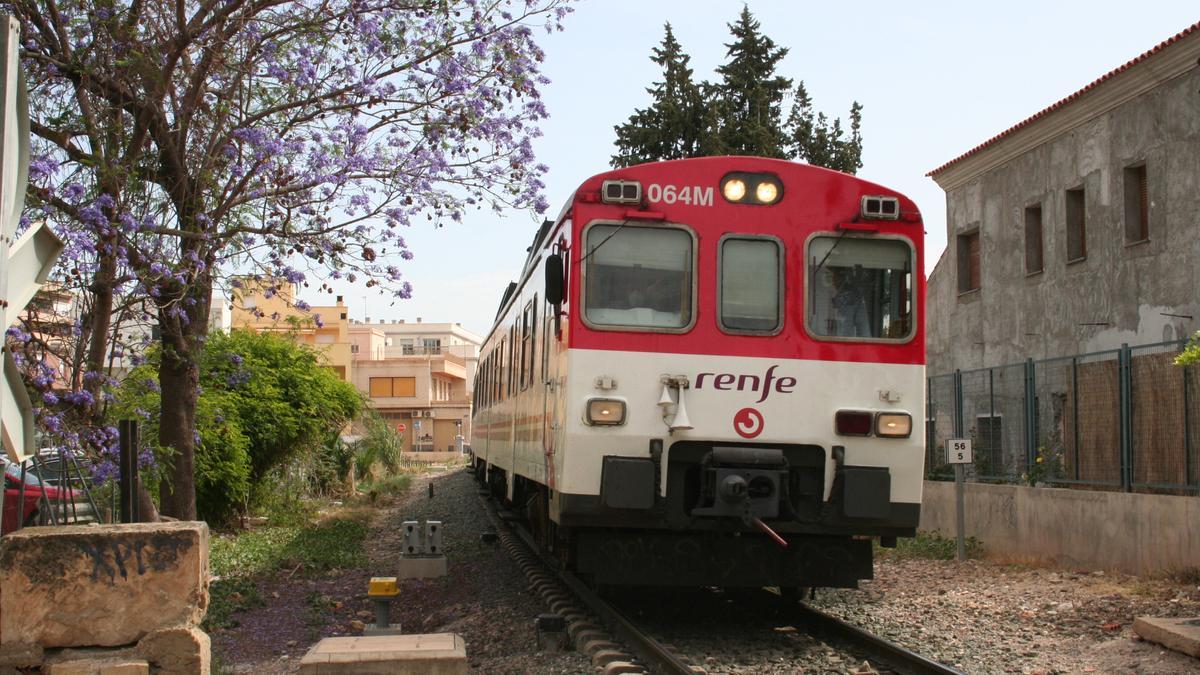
[[483, 597], [299, 610]]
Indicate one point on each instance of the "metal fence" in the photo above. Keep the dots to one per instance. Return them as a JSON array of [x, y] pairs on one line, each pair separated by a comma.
[[1123, 419]]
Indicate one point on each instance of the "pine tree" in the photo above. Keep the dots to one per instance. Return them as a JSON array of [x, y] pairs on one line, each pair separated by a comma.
[[751, 92], [817, 141], [740, 115], [672, 126]]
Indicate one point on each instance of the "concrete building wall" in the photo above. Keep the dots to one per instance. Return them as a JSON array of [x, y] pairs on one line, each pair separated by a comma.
[[1122, 292], [1133, 533]]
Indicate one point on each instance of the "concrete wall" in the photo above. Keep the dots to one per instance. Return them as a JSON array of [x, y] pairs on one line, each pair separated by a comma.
[[1136, 293], [1080, 529]]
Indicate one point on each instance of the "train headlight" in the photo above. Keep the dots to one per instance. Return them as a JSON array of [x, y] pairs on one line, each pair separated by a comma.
[[602, 412], [742, 187], [852, 422], [734, 189], [893, 425], [766, 192]]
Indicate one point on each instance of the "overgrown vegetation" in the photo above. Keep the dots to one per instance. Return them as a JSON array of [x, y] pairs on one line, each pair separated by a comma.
[[1191, 352], [268, 409], [237, 560], [931, 546]]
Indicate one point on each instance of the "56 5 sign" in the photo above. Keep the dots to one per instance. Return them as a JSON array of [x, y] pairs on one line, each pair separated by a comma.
[[958, 451]]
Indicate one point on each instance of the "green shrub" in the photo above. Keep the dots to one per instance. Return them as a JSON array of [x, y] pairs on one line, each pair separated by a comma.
[[378, 448], [930, 545], [265, 402], [1191, 352]]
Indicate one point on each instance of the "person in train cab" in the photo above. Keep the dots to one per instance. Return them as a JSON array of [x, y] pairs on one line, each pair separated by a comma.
[[849, 301]]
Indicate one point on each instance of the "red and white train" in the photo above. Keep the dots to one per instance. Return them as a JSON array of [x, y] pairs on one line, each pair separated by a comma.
[[711, 372]]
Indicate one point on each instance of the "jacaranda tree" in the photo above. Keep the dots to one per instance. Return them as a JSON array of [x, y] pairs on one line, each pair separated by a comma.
[[179, 140]]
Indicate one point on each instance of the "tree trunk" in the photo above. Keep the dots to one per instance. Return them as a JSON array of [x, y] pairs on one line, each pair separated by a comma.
[[179, 378]]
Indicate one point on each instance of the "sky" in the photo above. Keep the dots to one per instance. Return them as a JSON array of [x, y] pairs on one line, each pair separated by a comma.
[[935, 79]]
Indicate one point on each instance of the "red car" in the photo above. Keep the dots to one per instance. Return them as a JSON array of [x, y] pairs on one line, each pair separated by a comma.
[[29, 509]]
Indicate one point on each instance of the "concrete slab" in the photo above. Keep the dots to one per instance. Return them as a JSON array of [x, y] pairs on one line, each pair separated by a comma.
[[99, 667], [1181, 635], [432, 654], [421, 567]]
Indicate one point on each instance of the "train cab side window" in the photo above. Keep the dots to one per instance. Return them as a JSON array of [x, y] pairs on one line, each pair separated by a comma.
[[751, 295], [859, 288], [638, 277]]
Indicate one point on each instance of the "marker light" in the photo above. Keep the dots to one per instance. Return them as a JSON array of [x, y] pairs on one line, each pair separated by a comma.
[[893, 425], [734, 190], [605, 412], [853, 422], [766, 192], [621, 192], [883, 208]]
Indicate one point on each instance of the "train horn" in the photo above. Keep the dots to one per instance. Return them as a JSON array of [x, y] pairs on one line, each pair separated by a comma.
[[666, 400], [681, 421]]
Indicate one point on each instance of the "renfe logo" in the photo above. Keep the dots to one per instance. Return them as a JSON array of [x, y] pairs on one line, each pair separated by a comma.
[[748, 422], [732, 382]]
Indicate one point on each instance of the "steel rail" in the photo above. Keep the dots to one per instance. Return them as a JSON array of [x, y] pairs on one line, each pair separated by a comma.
[[659, 659], [650, 652], [890, 653]]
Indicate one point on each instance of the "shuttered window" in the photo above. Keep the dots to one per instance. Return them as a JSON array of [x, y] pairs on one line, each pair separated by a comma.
[[1033, 239], [1137, 205], [387, 387], [1076, 225], [968, 262]]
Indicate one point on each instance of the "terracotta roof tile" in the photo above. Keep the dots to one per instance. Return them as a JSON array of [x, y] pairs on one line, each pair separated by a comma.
[[1068, 100]]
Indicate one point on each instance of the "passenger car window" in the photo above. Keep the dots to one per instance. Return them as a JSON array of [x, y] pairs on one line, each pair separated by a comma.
[[638, 277], [860, 288], [750, 290]]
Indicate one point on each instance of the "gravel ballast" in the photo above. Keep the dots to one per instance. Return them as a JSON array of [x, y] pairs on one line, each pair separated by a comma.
[[980, 616]]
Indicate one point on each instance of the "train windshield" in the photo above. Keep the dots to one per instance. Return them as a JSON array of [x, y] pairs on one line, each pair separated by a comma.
[[860, 288], [639, 277]]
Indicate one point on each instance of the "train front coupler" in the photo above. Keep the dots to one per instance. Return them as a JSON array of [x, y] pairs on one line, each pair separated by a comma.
[[744, 483]]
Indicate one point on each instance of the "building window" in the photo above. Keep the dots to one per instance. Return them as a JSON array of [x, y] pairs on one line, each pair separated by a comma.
[[406, 346], [1076, 226], [1137, 205], [387, 387], [353, 349], [968, 262], [1033, 239], [432, 345]]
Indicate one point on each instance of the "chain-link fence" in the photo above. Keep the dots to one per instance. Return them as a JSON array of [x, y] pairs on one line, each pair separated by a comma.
[[1120, 419]]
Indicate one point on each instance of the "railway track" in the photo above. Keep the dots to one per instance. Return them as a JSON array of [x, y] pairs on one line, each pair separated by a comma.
[[616, 643]]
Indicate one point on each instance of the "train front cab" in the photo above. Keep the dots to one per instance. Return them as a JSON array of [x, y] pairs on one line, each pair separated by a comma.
[[652, 502]]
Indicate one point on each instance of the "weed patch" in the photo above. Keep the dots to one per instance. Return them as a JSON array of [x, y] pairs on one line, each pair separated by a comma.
[[227, 596], [237, 560], [929, 545]]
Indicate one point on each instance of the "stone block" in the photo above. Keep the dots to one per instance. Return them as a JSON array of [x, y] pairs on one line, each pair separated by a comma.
[[21, 655], [432, 654], [422, 567], [177, 651], [1181, 635], [103, 585], [99, 667]]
